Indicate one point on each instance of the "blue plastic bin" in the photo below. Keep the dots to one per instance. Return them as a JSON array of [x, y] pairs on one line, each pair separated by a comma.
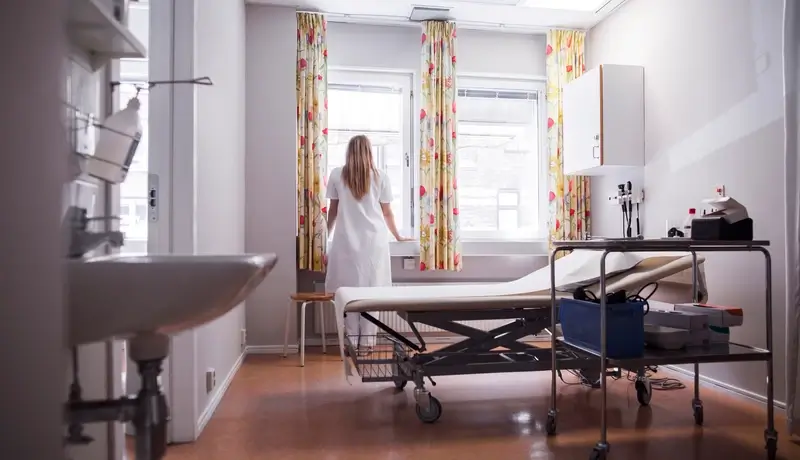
[[580, 324]]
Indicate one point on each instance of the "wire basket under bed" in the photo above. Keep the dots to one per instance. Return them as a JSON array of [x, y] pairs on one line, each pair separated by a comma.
[[379, 358]]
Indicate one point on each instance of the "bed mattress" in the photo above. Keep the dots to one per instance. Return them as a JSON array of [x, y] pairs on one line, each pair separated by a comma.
[[531, 291]]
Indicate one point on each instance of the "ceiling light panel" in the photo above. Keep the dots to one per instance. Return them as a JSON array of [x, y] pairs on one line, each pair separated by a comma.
[[491, 2], [571, 5]]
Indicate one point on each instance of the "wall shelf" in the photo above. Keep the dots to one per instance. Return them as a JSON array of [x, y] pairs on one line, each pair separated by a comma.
[[92, 29]]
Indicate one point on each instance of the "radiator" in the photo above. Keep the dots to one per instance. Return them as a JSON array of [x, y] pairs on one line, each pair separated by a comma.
[[392, 320]]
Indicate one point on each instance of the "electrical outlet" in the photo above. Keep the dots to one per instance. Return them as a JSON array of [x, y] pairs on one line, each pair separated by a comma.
[[719, 190], [211, 380], [409, 263], [244, 339]]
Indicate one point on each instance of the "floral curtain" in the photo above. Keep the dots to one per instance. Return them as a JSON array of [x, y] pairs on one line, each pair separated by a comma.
[[439, 239], [570, 196], [312, 140]]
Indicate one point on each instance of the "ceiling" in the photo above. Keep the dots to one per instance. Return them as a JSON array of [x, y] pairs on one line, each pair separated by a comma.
[[529, 16]]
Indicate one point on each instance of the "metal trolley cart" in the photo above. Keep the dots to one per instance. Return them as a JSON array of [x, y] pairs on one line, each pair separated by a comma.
[[714, 353]]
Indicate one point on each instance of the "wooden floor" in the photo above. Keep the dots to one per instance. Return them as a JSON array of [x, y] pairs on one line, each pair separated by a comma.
[[277, 410]]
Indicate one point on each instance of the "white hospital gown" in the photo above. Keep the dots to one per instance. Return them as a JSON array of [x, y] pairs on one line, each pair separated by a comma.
[[358, 255]]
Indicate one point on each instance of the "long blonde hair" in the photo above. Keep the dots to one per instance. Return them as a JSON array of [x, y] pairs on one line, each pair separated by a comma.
[[358, 167]]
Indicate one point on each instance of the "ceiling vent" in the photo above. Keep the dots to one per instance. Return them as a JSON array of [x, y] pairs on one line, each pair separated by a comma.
[[429, 13]]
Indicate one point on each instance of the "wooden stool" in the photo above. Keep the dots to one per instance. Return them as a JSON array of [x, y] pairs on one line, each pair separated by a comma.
[[303, 299]]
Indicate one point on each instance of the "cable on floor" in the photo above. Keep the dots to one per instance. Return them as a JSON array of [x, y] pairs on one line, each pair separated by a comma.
[[660, 384]]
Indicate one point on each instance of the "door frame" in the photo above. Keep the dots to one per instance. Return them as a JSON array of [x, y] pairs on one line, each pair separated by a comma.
[[171, 174], [172, 164], [170, 223]]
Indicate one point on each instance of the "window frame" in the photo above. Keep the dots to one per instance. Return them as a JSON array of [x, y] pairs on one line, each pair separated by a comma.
[[404, 81], [466, 81], [507, 207], [122, 92]]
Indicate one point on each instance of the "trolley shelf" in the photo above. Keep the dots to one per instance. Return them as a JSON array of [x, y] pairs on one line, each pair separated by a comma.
[[715, 353], [662, 244]]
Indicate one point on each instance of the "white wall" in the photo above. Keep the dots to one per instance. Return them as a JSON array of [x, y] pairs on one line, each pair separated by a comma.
[[714, 115], [219, 175], [398, 48], [32, 342], [271, 139]]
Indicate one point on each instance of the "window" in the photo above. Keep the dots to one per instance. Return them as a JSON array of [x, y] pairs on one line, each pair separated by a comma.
[[378, 105], [133, 192], [501, 173], [500, 168], [133, 73]]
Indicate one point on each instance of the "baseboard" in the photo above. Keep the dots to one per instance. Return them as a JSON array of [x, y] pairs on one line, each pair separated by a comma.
[[708, 381], [217, 398], [334, 341], [317, 342], [269, 349]]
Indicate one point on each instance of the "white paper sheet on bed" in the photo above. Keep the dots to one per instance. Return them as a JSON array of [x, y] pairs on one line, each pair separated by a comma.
[[580, 268]]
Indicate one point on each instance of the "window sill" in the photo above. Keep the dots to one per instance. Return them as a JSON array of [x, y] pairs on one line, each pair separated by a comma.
[[477, 248]]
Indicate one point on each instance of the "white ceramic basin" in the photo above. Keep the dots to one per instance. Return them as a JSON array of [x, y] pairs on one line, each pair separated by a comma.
[[121, 296]]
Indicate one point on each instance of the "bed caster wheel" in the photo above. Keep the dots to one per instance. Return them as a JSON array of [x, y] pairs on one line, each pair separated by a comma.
[[598, 453], [400, 384], [432, 413], [772, 449], [644, 391], [550, 426], [771, 438], [697, 408]]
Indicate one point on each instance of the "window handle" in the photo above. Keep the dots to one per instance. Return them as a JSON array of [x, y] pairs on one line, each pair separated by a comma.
[[408, 160]]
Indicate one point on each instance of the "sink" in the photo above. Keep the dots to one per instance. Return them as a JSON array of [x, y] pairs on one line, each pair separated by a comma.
[[124, 295]]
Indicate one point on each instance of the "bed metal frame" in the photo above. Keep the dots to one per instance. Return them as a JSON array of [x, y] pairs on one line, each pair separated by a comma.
[[399, 359]]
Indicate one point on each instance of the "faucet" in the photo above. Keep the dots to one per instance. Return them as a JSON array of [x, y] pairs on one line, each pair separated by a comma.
[[81, 240]]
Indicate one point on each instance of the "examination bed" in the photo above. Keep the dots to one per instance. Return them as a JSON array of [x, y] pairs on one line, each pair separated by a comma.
[[521, 309]]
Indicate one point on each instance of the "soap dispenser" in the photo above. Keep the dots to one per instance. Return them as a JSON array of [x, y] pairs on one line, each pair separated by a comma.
[[117, 141]]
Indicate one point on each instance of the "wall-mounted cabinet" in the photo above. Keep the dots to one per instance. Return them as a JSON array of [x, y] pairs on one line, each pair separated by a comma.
[[93, 30], [603, 120]]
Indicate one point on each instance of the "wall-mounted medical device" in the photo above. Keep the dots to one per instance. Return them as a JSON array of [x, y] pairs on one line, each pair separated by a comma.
[[627, 199]]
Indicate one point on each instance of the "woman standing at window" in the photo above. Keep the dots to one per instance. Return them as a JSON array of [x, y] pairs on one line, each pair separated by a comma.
[[360, 197]]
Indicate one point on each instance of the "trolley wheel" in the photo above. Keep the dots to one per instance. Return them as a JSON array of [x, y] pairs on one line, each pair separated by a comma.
[[400, 384], [644, 391], [598, 454], [550, 426], [433, 412], [772, 449], [698, 415]]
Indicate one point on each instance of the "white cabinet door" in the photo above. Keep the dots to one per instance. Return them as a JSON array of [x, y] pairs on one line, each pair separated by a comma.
[[581, 123]]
